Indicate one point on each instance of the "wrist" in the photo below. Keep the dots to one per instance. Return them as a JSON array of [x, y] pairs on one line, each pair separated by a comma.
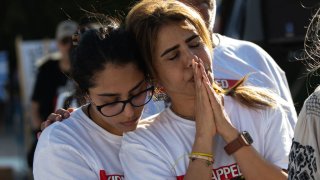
[[203, 144], [243, 139], [229, 134], [203, 136]]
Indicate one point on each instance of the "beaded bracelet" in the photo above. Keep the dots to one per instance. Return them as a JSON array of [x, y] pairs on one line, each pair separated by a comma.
[[209, 160]]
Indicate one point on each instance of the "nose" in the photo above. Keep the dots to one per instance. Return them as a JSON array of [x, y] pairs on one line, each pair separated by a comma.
[[188, 56], [128, 110]]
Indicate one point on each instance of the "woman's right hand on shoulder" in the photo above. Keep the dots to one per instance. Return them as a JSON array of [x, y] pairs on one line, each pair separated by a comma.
[[59, 115]]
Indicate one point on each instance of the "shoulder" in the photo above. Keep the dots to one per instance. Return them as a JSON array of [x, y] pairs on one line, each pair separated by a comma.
[[150, 131], [61, 143], [248, 51], [144, 131], [263, 118], [49, 65], [312, 103], [66, 132], [236, 44], [311, 109], [47, 58]]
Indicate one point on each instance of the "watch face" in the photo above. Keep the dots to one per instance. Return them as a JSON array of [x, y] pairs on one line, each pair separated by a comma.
[[247, 136]]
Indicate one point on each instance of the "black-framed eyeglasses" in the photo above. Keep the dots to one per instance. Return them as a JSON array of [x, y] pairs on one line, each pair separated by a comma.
[[117, 107]]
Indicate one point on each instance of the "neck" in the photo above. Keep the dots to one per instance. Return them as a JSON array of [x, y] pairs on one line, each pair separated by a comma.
[[91, 113], [183, 106], [64, 64]]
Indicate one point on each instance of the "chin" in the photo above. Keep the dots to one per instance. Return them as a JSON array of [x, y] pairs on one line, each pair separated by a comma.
[[128, 129]]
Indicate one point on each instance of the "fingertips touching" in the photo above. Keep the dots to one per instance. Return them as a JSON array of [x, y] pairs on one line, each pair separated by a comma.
[[59, 118], [196, 73]]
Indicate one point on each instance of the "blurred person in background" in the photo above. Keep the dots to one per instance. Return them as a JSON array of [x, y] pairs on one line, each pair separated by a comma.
[[51, 80], [304, 162], [233, 59], [68, 97]]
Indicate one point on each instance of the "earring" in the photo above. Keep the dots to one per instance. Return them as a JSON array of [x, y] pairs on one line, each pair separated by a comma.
[[160, 94]]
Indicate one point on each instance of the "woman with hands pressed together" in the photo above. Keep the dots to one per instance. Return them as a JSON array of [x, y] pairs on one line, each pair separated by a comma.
[[206, 133]]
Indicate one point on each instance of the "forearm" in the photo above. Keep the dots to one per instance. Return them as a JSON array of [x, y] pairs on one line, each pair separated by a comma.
[[199, 168], [251, 164]]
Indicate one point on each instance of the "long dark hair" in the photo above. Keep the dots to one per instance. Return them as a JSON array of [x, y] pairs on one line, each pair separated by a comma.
[[99, 47]]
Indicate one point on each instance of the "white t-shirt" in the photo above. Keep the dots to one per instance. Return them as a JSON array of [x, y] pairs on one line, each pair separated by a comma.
[[77, 148], [233, 59], [159, 149], [152, 108]]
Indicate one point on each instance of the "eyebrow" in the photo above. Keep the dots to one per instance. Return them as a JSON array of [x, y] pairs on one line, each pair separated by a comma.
[[169, 50], [177, 46], [117, 94]]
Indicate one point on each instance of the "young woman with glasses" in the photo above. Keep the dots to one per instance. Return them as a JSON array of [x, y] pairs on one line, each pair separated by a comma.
[[109, 72]]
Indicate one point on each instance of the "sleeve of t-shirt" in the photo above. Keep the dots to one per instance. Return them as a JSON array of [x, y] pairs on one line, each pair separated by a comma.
[[278, 76], [278, 138], [139, 162], [61, 162]]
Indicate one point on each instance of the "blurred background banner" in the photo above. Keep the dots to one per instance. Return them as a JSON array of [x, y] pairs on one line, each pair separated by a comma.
[[30, 54]]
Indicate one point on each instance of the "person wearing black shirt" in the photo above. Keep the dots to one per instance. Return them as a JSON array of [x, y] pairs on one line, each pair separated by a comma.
[[51, 79]]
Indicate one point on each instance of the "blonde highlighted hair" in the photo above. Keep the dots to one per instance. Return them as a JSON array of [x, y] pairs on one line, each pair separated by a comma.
[[148, 16]]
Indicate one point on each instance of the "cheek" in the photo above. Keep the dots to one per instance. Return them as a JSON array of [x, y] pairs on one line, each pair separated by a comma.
[[206, 57], [111, 120], [170, 76], [138, 111], [162, 73]]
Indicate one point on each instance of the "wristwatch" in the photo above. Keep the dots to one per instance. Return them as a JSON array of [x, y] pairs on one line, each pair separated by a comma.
[[244, 139]]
